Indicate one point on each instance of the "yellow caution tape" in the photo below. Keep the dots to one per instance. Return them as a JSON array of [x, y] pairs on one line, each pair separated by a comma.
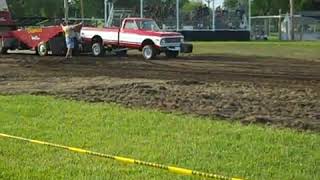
[[172, 169]]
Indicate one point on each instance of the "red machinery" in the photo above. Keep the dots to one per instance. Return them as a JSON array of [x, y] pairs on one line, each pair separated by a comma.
[[40, 39]]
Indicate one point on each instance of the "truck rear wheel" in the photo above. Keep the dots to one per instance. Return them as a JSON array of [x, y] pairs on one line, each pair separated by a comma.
[[148, 52], [172, 54], [98, 49]]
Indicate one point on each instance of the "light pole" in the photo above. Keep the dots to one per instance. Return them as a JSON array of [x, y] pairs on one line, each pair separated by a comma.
[[292, 19], [178, 14], [141, 8], [249, 15], [82, 10], [66, 11], [105, 12], [213, 16], [213, 13]]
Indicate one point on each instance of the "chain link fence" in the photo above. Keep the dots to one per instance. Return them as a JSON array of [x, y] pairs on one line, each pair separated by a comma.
[[306, 26], [191, 15]]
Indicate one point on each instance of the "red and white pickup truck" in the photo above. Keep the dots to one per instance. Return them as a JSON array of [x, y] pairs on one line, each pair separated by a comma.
[[135, 33]]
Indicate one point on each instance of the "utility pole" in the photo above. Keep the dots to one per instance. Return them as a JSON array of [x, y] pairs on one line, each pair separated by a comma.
[[292, 19], [66, 11]]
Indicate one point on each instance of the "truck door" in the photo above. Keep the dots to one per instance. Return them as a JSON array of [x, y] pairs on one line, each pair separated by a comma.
[[129, 35]]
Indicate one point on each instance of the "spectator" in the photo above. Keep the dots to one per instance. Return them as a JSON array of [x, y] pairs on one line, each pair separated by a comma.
[[205, 10], [70, 36], [230, 25], [242, 25]]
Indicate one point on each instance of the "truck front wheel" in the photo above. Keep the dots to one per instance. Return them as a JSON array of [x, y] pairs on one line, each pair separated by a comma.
[[172, 54], [98, 49], [148, 52]]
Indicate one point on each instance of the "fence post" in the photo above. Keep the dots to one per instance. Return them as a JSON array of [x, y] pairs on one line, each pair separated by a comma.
[[279, 24], [265, 25]]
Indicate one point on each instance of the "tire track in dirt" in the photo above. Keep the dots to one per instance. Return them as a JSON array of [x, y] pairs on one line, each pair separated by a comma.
[[277, 92]]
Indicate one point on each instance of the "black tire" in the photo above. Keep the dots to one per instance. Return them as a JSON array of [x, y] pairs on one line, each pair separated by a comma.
[[149, 52], [76, 50], [37, 52], [4, 50], [43, 49], [186, 48], [172, 54], [97, 49], [123, 53]]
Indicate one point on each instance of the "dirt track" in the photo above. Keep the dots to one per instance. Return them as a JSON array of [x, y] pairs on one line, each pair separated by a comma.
[[279, 92]]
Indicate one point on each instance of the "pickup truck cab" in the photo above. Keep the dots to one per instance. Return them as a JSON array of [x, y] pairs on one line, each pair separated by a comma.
[[135, 33]]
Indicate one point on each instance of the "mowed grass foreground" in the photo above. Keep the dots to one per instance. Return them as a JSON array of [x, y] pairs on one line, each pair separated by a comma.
[[305, 50], [230, 149]]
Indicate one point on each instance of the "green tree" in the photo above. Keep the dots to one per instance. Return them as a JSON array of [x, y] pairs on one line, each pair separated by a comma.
[[32, 8], [190, 6], [265, 7]]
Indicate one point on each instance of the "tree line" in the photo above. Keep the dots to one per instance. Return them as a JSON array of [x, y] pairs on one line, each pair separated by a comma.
[[271, 7], [95, 8]]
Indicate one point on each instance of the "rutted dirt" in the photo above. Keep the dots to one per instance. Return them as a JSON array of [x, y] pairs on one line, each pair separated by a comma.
[[271, 91]]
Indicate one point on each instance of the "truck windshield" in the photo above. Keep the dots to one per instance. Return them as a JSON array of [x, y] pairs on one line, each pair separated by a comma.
[[148, 25]]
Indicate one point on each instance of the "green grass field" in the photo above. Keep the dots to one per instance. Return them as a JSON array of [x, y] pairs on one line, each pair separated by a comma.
[[296, 50], [230, 149]]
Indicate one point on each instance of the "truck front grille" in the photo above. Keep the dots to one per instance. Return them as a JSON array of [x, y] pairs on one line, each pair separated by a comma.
[[173, 40]]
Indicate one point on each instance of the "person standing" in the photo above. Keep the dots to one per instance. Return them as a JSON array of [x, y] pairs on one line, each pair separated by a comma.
[[70, 35]]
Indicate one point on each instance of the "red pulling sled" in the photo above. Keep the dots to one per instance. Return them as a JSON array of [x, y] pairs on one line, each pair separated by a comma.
[[42, 39], [39, 39]]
